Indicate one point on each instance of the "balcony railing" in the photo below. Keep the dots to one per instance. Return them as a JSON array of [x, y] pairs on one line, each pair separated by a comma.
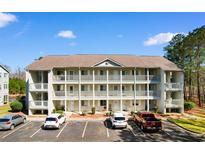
[[72, 93], [114, 77], [141, 93], [128, 78], [86, 93], [174, 102], [59, 78], [141, 77], [38, 104], [154, 78], [38, 86], [86, 77], [72, 78], [59, 93], [128, 93], [100, 77], [100, 93], [173, 86], [114, 93]]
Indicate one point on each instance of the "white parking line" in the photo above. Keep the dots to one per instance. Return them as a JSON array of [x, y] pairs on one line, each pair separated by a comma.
[[15, 130], [35, 133], [84, 129], [62, 130], [108, 135], [107, 130]]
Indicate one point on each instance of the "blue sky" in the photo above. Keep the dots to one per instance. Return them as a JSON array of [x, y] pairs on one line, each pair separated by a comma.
[[27, 36]]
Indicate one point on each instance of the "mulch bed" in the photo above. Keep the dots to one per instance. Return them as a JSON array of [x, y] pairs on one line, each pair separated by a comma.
[[89, 116]]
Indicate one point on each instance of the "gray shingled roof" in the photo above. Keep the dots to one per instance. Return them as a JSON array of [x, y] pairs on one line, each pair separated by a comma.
[[63, 61]]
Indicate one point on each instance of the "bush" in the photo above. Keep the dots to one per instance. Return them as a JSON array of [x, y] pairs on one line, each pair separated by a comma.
[[83, 113], [93, 110], [108, 113], [59, 111], [189, 105], [16, 106]]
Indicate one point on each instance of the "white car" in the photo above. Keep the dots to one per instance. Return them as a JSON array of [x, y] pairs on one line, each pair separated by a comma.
[[54, 121], [118, 120]]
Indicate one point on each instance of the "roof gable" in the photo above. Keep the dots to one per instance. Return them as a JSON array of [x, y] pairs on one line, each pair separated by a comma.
[[108, 63]]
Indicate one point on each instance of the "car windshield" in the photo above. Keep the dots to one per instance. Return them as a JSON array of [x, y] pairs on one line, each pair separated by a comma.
[[4, 120], [148, 115], [119, 118], [50, 119]]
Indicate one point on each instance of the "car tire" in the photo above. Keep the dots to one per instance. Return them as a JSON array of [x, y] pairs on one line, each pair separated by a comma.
[[113, 126], [12, 127], [141, 127]]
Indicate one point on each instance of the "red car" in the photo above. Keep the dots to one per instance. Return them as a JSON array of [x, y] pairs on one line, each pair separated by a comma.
[[147, 121]]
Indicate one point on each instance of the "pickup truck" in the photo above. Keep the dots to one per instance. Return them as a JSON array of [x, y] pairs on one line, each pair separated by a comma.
[[147, 121]]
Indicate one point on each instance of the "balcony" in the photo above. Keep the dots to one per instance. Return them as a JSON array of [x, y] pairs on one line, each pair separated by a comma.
[[38, 86], [59, 78], [114, 78], [100, 78], [38, 104], [114, 93], [87, 78], [59, 93], [173, 103], [128, 93], [72, 78], [141, 78], [87, 93], [128, 78], [173, 86], [154, 78], [72, 93], [100, 93]]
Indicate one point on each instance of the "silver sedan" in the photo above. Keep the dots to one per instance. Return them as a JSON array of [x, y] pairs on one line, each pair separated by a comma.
[[10, 121]]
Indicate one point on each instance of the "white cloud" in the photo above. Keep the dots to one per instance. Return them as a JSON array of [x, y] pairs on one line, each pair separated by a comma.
[[160, 38], [72, 44], [67, 34], [6, 18], [120, 36]]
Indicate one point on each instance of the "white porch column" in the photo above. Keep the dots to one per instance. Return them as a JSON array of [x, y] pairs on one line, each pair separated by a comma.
[[93, 88], [65, 104], [107, 88], [50, 92], [163, 92], [79, 90], [135, 89], [148, 89], [120, 90], [65, 90]]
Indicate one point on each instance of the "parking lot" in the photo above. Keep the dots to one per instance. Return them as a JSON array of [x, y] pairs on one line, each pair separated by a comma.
[[95, 131]]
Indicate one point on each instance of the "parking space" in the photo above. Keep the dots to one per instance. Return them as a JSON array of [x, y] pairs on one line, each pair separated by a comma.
[[94, 131]]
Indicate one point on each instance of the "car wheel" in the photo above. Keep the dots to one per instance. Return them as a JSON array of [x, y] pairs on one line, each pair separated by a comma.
[[12, 127], [141, 127], [113, 126]]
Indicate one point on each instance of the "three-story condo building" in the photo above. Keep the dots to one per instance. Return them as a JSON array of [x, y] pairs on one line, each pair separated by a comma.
[[76, 83], [4, 85]]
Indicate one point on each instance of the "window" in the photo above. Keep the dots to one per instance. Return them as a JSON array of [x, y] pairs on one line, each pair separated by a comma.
[[123, 88], [82, 87], [115, 88], [5, 86], [102, 87], [71, 88], [83, 103], [0, 87], [5, 98], [5, 74], [133, 72], [71, 73], [101, 72], [103, 103], [84, 72]]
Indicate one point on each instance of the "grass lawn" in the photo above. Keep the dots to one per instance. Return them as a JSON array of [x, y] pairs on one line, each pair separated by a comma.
[[4, 109], [195, 125]]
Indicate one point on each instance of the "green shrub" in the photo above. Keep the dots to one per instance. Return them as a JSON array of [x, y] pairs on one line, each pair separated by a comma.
[[189, 105], [16, 106], [59, 111], [109, 113], [93, 110]]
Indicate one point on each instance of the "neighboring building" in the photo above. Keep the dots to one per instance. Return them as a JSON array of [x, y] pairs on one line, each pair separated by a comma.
[[77, 83], [4, 85]]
